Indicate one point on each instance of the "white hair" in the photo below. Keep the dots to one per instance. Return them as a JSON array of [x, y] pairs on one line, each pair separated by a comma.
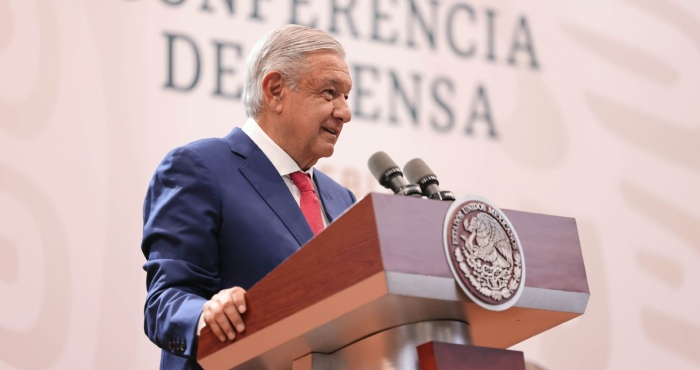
[[283, 49]]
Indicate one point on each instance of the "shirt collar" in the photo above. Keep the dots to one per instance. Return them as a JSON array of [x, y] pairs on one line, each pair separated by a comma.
[[284, 164]]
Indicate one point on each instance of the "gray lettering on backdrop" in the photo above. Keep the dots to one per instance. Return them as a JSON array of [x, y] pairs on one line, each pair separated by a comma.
[[361, 92], [466, 30], [222, 70], [193, 50], [411, 104]]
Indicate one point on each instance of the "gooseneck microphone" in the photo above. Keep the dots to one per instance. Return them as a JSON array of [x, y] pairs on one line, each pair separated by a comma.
[[390, 176], [418, 172]]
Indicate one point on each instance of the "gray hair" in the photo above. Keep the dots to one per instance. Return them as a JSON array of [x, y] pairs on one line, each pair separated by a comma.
[[283, 49]]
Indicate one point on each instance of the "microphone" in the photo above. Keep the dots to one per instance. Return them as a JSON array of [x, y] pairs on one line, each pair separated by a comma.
[[390, 176], [418, 172]]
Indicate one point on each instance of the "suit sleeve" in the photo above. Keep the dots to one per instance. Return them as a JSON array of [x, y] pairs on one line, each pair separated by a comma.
[[181, 226]]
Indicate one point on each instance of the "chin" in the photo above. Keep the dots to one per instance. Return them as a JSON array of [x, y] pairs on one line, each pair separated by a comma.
[[326, 151]]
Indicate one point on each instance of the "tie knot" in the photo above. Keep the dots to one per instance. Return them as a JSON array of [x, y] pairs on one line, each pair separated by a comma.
[[302, 181]]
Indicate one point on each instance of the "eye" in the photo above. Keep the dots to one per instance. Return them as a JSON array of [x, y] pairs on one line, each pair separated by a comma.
[[329, 94]]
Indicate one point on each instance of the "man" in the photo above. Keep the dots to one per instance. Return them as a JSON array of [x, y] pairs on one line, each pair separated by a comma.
[[222, 213]]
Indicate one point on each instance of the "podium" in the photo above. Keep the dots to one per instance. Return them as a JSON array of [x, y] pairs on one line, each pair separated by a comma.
[[374, 291]]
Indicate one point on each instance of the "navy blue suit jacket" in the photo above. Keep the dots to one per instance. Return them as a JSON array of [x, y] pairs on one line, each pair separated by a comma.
[[217, 214]]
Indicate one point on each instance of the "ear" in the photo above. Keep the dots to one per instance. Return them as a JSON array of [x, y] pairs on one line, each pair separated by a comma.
[[273, 86]]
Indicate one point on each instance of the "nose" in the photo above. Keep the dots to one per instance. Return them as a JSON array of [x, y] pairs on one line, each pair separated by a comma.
[[341, 110]]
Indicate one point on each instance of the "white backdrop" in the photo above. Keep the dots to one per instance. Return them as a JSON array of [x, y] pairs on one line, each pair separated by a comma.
[[594, 106]]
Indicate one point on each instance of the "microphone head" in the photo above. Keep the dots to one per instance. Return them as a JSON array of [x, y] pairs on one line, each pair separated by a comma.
[[382, 167], [417, 172]]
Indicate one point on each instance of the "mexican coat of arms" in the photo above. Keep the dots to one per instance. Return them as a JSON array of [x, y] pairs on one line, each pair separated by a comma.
[[484, 253]]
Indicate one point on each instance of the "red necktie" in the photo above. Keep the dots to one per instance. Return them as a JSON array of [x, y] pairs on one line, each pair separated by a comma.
[[310, 205]]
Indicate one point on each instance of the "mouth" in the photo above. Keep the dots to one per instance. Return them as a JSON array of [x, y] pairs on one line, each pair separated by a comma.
[[328, 129]]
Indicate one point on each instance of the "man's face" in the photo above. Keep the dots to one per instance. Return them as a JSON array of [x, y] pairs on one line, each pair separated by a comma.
[[313, 115]]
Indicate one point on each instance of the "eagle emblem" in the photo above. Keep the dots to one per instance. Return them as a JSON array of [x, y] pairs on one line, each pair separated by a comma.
[[491, 241], [484, 253]]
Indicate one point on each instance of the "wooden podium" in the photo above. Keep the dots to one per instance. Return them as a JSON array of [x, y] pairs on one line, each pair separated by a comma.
[[375, 284]]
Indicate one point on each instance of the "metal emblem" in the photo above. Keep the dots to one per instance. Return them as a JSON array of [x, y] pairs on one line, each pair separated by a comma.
[[484, 253]]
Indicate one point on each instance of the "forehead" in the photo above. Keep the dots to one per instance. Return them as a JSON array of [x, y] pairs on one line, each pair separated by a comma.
[[328, 68]]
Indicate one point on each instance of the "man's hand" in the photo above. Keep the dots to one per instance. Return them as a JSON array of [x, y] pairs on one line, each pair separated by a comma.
[[223, 312]]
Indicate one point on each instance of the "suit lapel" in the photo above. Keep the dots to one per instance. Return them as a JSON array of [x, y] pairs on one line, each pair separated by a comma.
[[332, 207], [265, 179]]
